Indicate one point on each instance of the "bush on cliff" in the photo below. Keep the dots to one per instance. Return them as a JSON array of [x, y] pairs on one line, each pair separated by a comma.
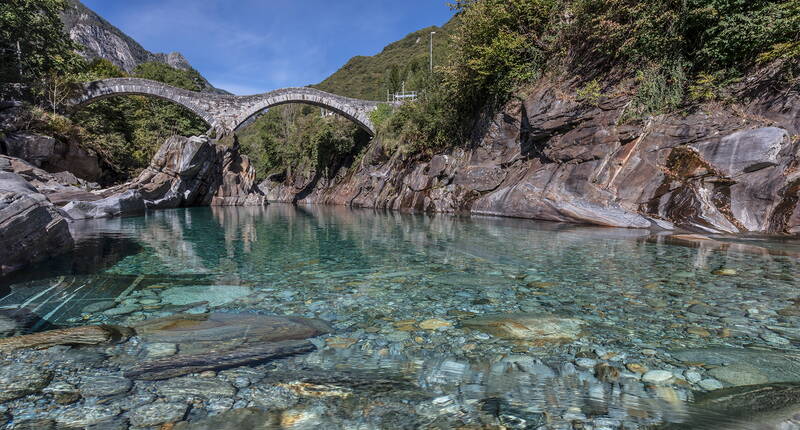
[[660, 48]]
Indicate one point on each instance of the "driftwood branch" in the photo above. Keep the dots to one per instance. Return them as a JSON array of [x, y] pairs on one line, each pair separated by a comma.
[[86, 335], [180, 365]]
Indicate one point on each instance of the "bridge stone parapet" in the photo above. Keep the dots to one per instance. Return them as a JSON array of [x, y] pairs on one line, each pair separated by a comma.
[[225, 113]]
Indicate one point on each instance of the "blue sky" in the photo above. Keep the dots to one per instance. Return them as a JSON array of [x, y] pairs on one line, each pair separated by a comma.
[[252, 46]]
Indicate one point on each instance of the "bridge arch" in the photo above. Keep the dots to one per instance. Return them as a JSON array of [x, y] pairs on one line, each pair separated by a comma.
[[353, 109], [99, 90], [225, 113]]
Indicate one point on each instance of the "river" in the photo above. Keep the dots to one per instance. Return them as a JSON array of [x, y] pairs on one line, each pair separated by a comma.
[[437, 321]]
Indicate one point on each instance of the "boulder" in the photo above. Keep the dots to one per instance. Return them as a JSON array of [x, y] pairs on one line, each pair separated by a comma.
[[31, 228], [60, 188], [539, 328], [127, 203], [194, 171], [53, 155], [157, 413]]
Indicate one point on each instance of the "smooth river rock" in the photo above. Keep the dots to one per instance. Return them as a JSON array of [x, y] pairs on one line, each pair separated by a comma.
[[195, 387], [247, 418], [738, 367], [217, 328], [762, 407], [215, 295], [19, 380], [530, 327], [157, 413]]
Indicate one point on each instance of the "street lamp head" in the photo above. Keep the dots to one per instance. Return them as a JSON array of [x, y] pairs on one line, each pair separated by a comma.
[[433, 32]]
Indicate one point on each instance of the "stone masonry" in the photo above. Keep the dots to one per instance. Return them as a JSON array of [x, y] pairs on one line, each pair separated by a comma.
[[225, 113]]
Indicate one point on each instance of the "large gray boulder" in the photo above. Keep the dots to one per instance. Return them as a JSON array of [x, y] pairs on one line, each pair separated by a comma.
[[31, 228], [194, 171], [127, 203]]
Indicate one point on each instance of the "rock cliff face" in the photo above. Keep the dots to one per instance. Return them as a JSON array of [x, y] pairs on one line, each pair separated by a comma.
[[45, 152], [197, 172], [184, 172], [551, 157], [100, 39], [31, 228]]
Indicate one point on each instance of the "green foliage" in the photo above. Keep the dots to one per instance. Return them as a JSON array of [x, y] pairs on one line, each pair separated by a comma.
[[706, 87], [381, 115], [626, 30], [33, 44], [590, 93], [297, 138], [496, 47], [407, 60], [729, 35], [709, 36], [186, 79], [660, 90]]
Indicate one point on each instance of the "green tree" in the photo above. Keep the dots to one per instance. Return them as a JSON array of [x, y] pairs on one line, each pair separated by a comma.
[[33, 43]]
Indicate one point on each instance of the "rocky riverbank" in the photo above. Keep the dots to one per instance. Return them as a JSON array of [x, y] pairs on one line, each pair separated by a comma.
[[36, 205], [712, 168]]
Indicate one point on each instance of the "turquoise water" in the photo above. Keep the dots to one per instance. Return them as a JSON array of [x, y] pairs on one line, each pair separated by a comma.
[[640, 300]]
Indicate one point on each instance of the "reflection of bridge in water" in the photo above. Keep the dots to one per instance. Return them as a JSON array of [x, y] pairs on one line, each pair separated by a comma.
[[225, 113]]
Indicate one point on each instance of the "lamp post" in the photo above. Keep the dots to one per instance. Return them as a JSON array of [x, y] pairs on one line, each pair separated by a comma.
[[432, 33]]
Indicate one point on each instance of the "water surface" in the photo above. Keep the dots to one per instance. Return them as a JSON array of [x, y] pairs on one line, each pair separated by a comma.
[[401, 291]]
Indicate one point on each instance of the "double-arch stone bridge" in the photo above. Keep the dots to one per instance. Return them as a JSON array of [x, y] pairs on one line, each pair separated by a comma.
[[225, 113]]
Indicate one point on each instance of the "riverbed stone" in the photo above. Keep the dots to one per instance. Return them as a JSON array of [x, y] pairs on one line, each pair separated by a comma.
[[215, 295], [658, 376], [63, 393], [157, 413], [7, 326], [741, 374], [753, 406], [740, 366], [123, 309], [99, 306], [710, 384], [195, 387], [161, 350], [271, 397], [530, 327], [19, 380], [434, 324], [104, 386], [244, 418], [87, 415], [198, 333]]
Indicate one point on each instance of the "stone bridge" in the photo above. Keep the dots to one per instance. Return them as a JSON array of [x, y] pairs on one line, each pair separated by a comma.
[[225, 113]]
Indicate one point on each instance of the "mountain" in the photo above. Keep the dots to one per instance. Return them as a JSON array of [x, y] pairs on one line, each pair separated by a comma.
[[101, 39], [364, 77]]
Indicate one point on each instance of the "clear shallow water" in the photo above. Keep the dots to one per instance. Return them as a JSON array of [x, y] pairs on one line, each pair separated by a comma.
[[402, 291]]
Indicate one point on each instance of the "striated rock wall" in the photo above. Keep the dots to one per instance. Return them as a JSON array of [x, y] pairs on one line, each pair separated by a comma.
[[31, 228], [195, 171], [720, 169]]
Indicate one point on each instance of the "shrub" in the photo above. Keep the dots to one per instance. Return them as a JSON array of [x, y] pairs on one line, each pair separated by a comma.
[[590, 93]]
